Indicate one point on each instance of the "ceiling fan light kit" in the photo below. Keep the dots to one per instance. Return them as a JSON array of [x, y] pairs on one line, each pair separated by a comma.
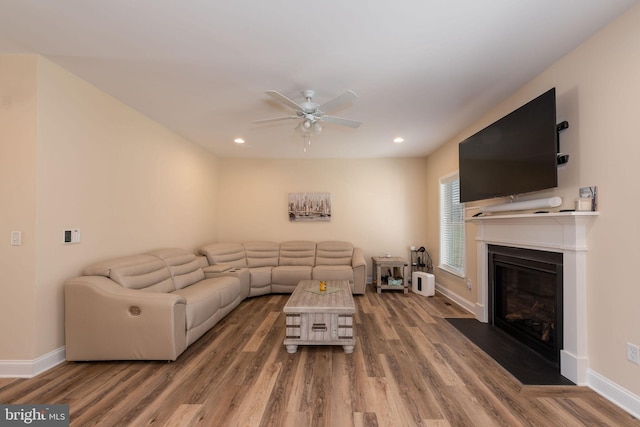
[[312, 113]]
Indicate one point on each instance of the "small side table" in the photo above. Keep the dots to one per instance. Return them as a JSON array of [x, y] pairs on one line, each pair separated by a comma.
[[398, 267]]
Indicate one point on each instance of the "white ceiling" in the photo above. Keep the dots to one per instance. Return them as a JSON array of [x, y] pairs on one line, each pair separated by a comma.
[[423, 69]]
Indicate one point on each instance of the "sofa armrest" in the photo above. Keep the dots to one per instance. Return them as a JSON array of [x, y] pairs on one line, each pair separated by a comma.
[[358, 260], [359, 265], [104, 321]]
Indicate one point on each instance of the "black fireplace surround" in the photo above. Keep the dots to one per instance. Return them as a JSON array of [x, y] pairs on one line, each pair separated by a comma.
[[525, 297]]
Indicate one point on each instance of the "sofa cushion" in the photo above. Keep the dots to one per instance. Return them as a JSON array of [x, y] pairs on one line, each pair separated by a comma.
[[260, 276], [142, 272], [184, 266], [225, 253], [297, 252], [290, 274], [262, 254], [334, 253], [333, 272], [206, 297]]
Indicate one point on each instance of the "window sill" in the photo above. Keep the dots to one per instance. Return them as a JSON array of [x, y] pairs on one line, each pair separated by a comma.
[[453, 271]]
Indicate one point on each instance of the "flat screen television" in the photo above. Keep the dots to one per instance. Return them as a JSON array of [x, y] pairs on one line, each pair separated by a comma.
[[517, 154]]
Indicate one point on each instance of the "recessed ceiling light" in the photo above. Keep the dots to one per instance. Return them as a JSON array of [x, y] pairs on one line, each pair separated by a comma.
[[239, 141], [398, 140]]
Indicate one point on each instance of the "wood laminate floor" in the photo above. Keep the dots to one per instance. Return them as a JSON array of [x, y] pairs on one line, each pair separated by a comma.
[[410, 367]]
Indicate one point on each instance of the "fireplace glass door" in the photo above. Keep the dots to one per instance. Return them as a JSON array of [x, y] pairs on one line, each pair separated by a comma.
[[526, 297]]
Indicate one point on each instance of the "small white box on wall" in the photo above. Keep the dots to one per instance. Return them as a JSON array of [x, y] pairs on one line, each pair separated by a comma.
[[423, 283]]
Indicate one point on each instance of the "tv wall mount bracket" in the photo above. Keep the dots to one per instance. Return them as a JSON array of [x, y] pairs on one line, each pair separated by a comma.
[[562, 158]]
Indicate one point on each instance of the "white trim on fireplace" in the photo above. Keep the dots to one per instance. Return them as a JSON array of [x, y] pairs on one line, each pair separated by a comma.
[[555, 232]]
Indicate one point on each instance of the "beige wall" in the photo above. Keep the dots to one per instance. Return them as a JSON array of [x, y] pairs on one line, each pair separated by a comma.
[[598, 92], [378, 204], [127, 183], [442, 163], [18, 114]]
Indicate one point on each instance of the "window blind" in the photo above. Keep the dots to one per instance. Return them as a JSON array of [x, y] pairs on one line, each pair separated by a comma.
[[452, 227]]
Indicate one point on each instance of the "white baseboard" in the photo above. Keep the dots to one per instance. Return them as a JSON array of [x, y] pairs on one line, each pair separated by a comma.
[[31, 368], [613, 392], [464, 303]]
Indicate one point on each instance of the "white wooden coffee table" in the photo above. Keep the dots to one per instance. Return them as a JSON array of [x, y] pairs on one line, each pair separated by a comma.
[[320, 319]]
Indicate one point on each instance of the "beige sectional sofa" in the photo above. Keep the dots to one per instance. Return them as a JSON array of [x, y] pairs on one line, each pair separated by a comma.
[[153, 306], [270, 267]]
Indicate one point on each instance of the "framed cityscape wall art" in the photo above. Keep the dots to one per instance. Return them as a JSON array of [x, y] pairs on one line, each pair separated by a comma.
[[309, 206]]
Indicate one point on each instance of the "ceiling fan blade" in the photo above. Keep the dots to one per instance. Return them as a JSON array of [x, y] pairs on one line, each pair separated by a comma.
[[275, 119], [338, 101], [340, 121], [280, 97]]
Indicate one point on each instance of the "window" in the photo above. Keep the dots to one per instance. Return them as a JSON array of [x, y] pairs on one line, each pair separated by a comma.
[[451, 226]]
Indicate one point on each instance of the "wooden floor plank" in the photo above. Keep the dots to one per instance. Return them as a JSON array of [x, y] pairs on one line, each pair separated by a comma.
[[341, 405], [184, 416], [251, 411], [358, 378], [260, 333], [402, 394], [410, 367], [426, 351]]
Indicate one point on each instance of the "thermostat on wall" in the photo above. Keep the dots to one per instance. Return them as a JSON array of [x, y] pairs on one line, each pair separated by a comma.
[[71, 236]]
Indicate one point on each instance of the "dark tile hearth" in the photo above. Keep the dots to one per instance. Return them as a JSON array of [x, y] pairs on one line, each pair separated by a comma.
[[523, 363]]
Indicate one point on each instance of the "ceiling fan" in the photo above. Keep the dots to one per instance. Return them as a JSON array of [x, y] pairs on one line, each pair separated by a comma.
[[312, 113]]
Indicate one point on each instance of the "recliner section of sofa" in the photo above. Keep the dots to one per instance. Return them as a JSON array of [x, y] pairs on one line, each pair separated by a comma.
[[261, 256], [208, 299], [296, 262], [144, 307]]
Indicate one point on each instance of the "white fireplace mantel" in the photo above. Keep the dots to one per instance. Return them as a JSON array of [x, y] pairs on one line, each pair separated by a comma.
[[564, 232]]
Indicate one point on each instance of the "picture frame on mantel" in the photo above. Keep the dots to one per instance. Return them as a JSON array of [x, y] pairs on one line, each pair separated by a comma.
[[309, 207], [588, 200]]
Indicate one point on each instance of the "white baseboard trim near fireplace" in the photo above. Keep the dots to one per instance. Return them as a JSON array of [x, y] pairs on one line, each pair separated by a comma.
[[462, 302], [613, 392], [31, 368], [577, 365]]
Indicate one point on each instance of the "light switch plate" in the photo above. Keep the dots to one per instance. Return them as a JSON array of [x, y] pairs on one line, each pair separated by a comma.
[[16, 238], [70, 236]]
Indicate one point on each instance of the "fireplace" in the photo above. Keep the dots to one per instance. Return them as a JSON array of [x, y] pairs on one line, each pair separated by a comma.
[[525, 297], [563, 233]]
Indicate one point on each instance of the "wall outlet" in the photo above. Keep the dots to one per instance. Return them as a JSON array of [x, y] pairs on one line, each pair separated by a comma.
[[633, 353], [468, 283]]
